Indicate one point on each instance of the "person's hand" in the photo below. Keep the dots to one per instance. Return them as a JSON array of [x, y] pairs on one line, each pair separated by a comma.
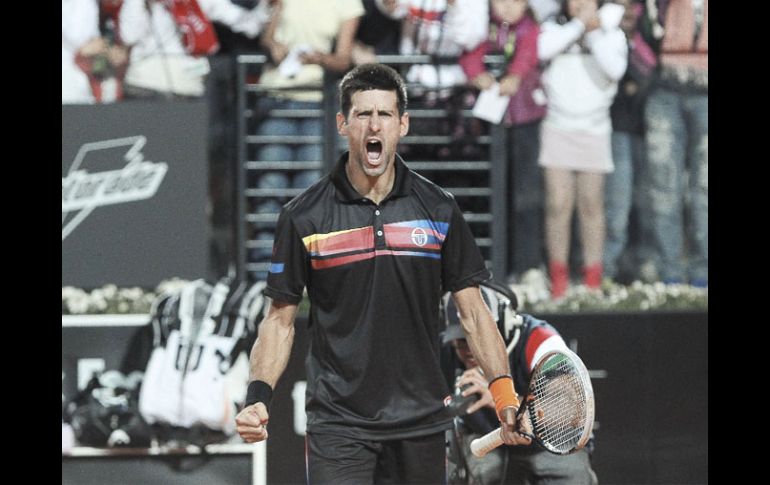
[[362, 53], [589, 16], [278, 52], [477, 384], [509, 85], [93, 47], [483, 81], [312, 57], [511, 427], [251, 423], [118, 55]]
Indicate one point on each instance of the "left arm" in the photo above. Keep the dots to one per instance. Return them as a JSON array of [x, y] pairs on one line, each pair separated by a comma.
[[247, 22], [340, 59], [610, 49], [489, 349]]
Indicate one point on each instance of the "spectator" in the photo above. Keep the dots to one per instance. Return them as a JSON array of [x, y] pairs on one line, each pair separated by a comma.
[[163, 62], [626, 185], [677, 143], [377, 33], [90, 64], [585, 60], [528, 338], [513, 32]]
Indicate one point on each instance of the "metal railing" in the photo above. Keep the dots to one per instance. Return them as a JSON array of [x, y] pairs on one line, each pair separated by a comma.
[[479, 183]]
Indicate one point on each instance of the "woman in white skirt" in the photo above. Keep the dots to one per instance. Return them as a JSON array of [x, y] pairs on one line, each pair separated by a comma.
[[586, 55]]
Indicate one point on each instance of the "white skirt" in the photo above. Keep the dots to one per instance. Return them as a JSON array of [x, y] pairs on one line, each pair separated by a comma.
[[582, 152]]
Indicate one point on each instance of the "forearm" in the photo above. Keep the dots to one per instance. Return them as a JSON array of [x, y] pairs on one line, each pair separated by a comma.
[[486, 344], [267, 38], [555, 39], [340, 59], [271, 351], [472, 62], [610, 50], [334, 62]]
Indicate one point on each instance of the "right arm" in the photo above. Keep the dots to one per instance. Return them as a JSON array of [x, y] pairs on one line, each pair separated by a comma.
[[555, 39], [239, 19], [276, 50], [472, 63], [79, 24], [267, 362]]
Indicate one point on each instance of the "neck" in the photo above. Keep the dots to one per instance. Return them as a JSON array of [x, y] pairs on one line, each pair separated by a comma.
[[373, 188]]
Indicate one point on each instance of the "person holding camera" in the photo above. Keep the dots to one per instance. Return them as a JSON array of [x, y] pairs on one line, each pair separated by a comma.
[[528, 338]]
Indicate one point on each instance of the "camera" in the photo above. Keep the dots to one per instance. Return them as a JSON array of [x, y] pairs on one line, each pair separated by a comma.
[[458, 405]]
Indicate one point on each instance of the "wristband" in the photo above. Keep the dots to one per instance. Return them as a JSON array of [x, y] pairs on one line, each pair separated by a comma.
[[259, 391], [503, 393]]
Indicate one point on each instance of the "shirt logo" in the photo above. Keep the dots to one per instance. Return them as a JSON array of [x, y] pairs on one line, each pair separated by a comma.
[[419, 236]]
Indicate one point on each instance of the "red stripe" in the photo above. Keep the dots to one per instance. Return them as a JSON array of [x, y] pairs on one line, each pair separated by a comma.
[[425, 14], [407, 231], [332, 262], [350, 241], [537, 337], [401, 237]]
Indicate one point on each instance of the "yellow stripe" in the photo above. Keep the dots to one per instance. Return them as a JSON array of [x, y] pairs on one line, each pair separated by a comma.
[[309, 240]]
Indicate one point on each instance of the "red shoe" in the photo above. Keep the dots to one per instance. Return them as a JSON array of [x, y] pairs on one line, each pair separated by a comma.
[[592, 276], [559, 273]]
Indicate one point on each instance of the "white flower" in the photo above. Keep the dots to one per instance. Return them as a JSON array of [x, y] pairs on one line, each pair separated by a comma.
[[111, 299]]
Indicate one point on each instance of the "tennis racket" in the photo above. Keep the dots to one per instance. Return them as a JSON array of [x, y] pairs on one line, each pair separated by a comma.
[[560, 405]]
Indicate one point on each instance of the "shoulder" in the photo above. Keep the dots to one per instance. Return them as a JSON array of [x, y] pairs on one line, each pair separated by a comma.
[[531, 322], [421, 186], [315, 198]]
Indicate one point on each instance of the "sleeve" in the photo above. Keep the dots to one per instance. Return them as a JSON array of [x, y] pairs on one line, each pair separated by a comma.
[[469, 23], [79, 23], [525, 58], [541, 338], [537, 338], [610, 50], [288, 272], [555, 39], [238, 19], [461, 262], [472, 61], [349, 9], [134, 21]]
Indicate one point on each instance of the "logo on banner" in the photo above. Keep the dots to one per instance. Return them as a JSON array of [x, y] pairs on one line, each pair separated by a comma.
[[83, 191]]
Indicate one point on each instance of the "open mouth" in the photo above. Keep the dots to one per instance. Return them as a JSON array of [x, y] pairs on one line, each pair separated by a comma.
[[374, 151]]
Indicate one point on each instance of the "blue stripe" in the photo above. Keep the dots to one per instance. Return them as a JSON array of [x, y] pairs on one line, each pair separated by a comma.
[[416, 253], [433, 240], [440, 227], [276, 268]]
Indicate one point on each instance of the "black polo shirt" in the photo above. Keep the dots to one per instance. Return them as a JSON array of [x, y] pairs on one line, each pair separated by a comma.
[[374, 274]]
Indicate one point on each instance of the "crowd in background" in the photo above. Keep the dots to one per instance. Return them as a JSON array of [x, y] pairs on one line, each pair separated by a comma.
[[607, 118]]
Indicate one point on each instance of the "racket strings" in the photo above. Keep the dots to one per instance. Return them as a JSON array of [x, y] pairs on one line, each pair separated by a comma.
[[558, 410]]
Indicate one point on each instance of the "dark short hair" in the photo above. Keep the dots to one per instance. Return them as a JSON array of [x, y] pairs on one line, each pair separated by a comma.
[[372, 76]]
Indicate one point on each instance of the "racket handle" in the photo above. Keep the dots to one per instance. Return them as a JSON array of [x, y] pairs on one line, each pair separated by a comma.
[[488, 442]]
